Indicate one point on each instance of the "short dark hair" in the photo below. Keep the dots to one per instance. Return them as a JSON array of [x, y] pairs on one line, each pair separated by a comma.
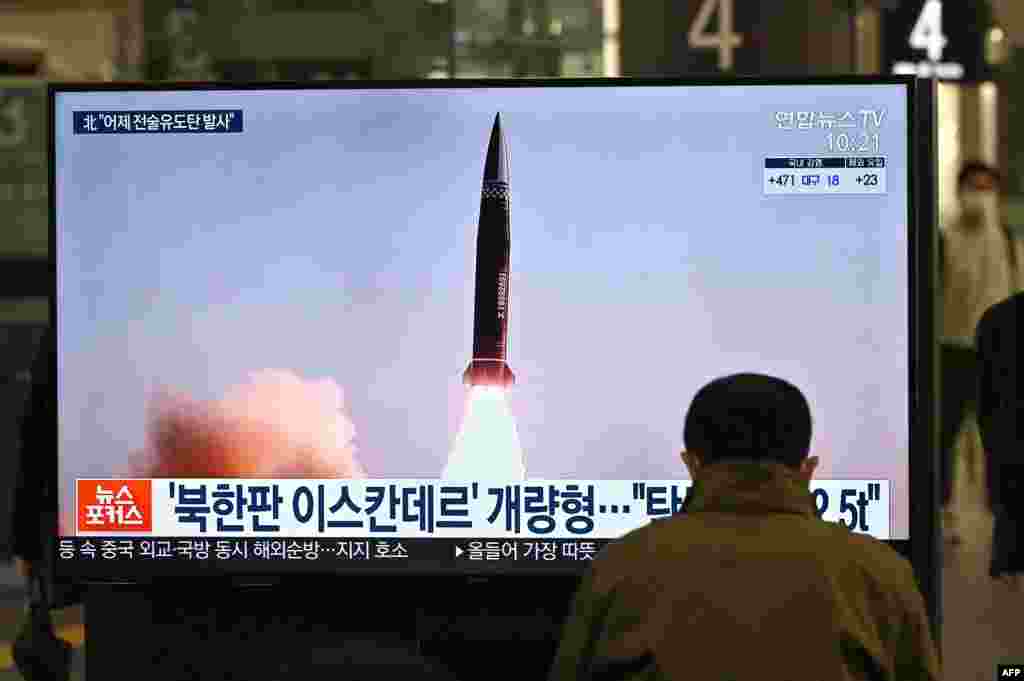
[[977, 168], [749, 416]]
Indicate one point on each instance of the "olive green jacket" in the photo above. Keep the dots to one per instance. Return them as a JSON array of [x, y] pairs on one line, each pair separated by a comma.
[[747, 585]]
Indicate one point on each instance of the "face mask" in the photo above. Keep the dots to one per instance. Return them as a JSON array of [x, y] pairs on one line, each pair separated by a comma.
[[977, 205]]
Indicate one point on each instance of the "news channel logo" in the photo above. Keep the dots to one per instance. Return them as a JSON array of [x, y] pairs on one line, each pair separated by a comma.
[[114, 505]]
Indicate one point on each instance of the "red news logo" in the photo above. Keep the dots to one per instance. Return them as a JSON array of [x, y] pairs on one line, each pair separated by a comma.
[[115, 505]]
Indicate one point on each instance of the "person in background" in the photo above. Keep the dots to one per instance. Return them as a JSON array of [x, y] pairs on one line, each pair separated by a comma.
[[34, 522], [1001, 422], [979, 265], [748, 570], [38, 653]]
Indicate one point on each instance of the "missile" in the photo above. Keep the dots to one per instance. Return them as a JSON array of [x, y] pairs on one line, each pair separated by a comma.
[[490, 314]]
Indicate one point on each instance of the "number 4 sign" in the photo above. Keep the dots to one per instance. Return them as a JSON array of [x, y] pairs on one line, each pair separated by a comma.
[[943, 45], [927, 33], [724, 40]]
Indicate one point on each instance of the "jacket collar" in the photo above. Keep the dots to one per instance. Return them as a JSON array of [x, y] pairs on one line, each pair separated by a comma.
[[750, 487]]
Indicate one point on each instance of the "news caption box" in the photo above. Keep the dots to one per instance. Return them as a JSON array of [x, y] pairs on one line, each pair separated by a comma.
[[155, 122], [825, 175], [598, 509]]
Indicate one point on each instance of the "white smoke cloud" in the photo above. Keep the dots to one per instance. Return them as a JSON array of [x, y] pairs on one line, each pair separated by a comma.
[[487, 445]]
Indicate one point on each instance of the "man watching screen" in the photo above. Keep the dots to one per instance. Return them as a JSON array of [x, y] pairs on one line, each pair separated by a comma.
[[725, 589]]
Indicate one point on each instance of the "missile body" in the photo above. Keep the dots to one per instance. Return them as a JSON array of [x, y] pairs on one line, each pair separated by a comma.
[[490, 319]]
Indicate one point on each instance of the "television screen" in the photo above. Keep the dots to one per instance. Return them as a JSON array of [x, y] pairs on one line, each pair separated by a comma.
[[455, 327]]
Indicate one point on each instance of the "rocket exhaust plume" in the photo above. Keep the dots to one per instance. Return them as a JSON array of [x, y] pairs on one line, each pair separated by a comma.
[[276, 425], [487, 444], [493, 242]]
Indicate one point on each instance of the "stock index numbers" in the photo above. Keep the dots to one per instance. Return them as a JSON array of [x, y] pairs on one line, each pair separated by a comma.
[[842, 175]]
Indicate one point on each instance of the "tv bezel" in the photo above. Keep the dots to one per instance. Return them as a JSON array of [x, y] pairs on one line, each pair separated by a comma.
[[921, 548]]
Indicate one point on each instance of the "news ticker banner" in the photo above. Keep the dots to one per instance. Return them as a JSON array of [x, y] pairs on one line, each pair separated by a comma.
[[98, 553], [415, 509]]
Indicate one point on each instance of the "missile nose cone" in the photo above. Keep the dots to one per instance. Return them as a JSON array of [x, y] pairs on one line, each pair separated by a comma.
[[496, 166]]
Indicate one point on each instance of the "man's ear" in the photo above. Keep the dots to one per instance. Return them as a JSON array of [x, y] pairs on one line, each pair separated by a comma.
[[808, 466], [692, 462]]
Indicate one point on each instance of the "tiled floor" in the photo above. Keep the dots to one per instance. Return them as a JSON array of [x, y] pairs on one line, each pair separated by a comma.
[[69, 624], [983, 619]]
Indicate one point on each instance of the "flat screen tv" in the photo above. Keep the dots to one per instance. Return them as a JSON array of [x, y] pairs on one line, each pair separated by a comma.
[[452, 327]]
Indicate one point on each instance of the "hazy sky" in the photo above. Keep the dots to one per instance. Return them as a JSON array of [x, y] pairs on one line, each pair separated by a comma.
[[334, 237]]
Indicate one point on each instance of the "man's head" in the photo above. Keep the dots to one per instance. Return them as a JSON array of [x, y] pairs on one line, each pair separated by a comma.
[[749, 417], [978, 185]]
